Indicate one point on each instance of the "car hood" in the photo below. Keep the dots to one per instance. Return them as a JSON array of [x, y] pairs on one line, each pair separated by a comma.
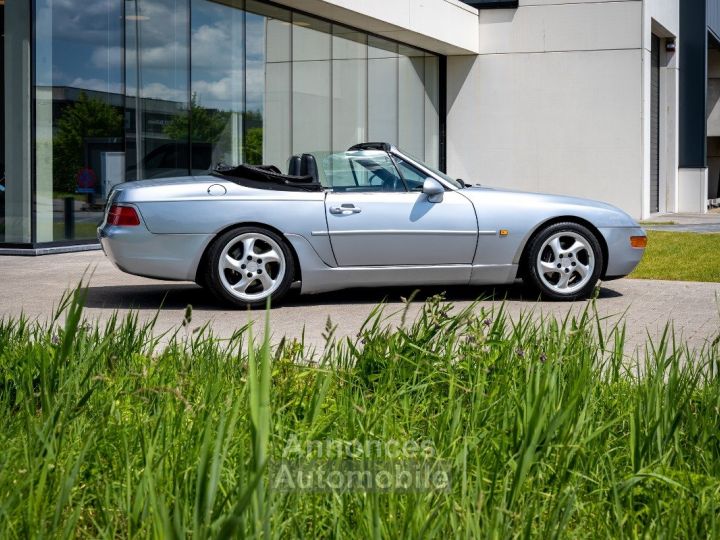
[[546, 205]]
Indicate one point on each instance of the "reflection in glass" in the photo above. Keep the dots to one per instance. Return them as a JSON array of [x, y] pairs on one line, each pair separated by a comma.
[[157, 61], [15, 185], [411, 108], [218, 83], [268, 139], [382, 90], [349, 87], [311, 85], [79, 149], [432, 110]]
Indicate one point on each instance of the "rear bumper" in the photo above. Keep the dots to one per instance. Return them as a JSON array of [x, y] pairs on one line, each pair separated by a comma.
[[136, 250], [622, 257]]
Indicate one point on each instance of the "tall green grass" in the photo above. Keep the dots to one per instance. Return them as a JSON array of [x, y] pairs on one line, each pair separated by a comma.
[[551, 429]]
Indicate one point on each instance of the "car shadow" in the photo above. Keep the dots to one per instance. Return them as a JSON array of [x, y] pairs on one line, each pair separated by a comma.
[[178, 296]]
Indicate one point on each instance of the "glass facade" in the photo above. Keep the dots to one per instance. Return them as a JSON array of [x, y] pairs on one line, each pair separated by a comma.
[[132, 89]]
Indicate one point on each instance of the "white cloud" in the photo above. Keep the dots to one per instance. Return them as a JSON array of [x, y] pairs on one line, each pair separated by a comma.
[[158, 90], [97, 85]]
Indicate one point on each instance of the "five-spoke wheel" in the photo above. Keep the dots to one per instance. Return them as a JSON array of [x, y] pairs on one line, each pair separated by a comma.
[[564, 261], [247, 265]]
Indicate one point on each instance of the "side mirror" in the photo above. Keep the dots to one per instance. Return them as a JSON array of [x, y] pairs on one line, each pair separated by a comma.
[[434, 190]]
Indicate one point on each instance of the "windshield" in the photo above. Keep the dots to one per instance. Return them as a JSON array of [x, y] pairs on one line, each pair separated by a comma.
[[452, 181]]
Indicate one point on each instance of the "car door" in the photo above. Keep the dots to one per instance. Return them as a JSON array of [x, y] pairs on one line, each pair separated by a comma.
[[374, 220]]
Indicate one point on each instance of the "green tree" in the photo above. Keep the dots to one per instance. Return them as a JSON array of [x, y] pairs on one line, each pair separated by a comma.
[[207, 125], [254, 145], [86, 118], [211, 126]]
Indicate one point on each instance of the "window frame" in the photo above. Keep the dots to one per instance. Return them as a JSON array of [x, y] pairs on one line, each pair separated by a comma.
[[363, 189]]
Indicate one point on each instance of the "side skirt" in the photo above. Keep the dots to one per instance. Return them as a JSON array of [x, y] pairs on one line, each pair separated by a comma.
[[318, 277]]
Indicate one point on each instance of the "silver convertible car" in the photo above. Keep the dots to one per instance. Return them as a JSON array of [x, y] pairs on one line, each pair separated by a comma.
[[371, 216]]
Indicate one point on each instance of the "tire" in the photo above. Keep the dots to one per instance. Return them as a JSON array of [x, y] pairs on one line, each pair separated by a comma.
[[564, 262], [248, 265]]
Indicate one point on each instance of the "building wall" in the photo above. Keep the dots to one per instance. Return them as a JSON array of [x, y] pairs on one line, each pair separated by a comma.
[[557, 100], [662, 18]]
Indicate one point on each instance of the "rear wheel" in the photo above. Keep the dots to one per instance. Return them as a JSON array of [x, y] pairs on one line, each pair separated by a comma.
[[564, 262], [248, 265]]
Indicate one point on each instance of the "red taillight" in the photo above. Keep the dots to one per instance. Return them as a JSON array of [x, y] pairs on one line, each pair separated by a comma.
[[122, 216]]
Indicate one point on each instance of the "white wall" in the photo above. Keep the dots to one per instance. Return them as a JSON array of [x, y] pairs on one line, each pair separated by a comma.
[[556, 100]]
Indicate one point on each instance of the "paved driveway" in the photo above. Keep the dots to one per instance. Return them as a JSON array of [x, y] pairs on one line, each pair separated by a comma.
[[33, 284]]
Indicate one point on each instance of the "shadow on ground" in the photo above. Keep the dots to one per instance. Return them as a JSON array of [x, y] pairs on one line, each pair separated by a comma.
[[178, 296]]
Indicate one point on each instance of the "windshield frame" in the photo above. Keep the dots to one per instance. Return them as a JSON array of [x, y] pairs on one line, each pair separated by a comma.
[[440, 176]]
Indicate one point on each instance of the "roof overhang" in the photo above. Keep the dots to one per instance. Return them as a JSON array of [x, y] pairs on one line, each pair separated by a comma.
[[447, 27]]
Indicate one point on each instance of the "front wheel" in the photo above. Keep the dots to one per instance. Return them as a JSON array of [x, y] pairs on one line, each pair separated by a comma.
[[564, 262], [248, 265]]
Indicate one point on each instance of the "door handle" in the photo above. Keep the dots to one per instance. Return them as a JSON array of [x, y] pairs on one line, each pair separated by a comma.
[[345, 209]]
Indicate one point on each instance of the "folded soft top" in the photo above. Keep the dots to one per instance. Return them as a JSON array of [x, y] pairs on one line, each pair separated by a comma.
[[267, 177]]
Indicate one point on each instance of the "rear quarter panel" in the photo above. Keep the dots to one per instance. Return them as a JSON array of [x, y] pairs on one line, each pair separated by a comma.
[[187, 208]]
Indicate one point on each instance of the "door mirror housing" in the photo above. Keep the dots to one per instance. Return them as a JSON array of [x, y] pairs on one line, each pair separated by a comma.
[[434, 190]]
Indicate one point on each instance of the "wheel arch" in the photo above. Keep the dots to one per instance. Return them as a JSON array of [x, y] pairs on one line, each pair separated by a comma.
[[562, 219], [297, 271]]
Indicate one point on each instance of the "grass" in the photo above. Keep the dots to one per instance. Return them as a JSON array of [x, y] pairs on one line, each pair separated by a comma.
[[549, 427], [680, 256]]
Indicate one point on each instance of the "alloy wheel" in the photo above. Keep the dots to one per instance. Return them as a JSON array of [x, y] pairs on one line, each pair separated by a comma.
[[252, 266], [565, 262]]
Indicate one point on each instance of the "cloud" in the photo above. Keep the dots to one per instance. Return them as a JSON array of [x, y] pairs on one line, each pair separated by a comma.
[[80, 21], [98, 85], [104, 57], [158, 90]]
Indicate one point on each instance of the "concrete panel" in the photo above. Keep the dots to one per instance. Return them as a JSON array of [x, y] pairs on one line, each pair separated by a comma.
[[692, 191], [663, 18], [561, 27], [567, 123], [442, 26]]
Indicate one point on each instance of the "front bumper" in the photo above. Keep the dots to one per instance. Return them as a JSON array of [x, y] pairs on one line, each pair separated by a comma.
[[622, 257], [136, 250]]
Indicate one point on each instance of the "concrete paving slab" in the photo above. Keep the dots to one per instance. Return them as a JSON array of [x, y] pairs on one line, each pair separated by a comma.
[[32, 285]]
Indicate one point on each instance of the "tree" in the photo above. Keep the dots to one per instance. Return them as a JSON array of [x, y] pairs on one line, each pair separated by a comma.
[[207, 124], [86, 118], [212, 126], [254, 146]]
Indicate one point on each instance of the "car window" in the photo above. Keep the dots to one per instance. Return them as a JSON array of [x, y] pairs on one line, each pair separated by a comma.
[[414, 177], [362, 171]]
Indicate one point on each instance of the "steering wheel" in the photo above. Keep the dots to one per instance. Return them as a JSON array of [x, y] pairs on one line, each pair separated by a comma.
[[385, 185]]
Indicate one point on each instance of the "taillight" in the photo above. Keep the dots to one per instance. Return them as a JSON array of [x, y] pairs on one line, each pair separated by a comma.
[[122, 216]]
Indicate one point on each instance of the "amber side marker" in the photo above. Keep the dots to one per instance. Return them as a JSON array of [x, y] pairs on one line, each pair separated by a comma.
[[504, 232], [638, 241]]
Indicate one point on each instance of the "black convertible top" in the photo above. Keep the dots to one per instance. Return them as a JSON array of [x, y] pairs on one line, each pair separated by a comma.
[[267, 177]]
